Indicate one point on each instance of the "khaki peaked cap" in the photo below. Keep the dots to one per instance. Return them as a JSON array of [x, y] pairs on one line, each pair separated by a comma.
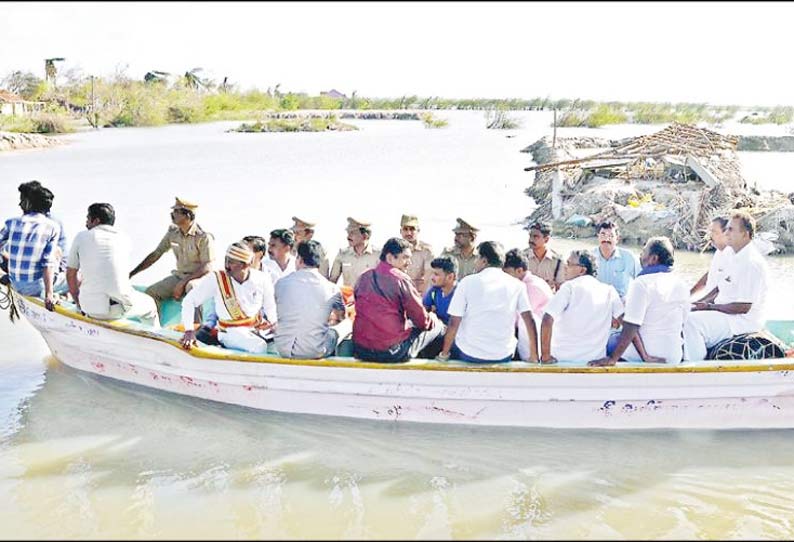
[[301, 224], [184, 204], [354, 224], [464, 227]]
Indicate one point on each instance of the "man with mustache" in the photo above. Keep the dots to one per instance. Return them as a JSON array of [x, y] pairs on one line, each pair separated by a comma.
[[352, 261], [304, 231], [463, 252], [391, 324], [280, 261], [193, 248], [242, 295], [542, 261], [616, 266], [421, 253]]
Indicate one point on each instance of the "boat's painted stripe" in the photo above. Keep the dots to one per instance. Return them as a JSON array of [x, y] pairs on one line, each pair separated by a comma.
[[422, 365]]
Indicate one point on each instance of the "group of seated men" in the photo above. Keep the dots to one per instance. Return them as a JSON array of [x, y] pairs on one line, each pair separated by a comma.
[[476, 302]]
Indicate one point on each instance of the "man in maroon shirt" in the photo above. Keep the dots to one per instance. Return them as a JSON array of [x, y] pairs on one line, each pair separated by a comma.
[[391, 322]]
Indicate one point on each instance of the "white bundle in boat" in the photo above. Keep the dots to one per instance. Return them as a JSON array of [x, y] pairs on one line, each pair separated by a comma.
[[764, 242]]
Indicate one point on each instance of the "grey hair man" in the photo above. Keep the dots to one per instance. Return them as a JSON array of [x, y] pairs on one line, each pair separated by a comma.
[[657, 304], [578, 319]]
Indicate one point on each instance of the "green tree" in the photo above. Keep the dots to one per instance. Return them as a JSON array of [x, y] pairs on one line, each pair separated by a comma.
[[25, 84], [289, 102]]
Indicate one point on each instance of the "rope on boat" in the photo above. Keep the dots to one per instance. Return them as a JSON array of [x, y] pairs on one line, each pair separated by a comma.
[[7, 303]]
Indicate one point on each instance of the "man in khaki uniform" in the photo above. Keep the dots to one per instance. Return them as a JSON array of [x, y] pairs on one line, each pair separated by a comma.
[[463, 252], [542, 260], [304, 231], [193, 248], [352, 261], [421, 254]]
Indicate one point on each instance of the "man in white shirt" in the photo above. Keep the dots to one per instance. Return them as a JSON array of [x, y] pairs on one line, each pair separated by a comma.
[[241, 296], [280, 261], [483, 310], [307, 303], [738, 304], [720, 262], [101, 255], [657, 304], [579, 317]]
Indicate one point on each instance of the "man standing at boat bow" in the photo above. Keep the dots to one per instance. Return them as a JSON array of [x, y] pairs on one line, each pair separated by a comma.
[[240, 294]]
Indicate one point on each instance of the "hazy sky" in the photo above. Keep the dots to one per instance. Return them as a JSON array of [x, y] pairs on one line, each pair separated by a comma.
[[720, 53]]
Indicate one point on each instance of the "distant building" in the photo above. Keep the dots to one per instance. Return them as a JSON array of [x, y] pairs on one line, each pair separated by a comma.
[[11, 104], [333, 93]]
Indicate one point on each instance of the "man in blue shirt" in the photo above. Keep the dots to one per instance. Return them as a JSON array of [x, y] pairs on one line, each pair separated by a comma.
[[616, 266], [444, 279], [30, 244], [33, 185]]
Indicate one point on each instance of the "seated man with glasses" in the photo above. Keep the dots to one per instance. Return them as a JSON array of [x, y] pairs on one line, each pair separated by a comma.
[[578, 319], [193, 248]]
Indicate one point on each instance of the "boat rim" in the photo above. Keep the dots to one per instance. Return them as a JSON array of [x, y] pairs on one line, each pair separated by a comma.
[[204, 352]]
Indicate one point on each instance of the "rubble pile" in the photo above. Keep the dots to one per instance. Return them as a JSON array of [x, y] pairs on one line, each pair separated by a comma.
[[669, 183]]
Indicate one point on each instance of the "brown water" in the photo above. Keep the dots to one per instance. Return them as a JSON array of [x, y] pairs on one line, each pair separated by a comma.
[[85, 457]]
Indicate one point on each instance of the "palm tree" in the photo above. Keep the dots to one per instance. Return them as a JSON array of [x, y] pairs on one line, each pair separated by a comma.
[[194, 80], [50, 72], [156, 76]]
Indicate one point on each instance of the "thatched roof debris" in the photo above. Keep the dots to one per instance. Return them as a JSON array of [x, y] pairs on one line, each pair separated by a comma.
[[716, 153], [668, 183]]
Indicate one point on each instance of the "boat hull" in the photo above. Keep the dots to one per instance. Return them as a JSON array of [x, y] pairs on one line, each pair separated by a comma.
[[693, 396]]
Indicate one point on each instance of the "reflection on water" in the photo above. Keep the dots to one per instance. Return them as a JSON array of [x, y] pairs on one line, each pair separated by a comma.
[[86, 457], [98, 458]]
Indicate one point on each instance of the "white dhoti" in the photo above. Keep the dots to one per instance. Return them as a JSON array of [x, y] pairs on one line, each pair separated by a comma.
[[702, 330], [242, 338], [143, 308], [523, 337]]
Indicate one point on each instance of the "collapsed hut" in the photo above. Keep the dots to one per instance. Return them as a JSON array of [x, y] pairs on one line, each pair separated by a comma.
[[670, 183]]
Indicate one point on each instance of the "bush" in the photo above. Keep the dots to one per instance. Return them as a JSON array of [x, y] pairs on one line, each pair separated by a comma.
[[9, 123], [571, 119], [289, 102], [432, 122], [778, 115], [498, 119], [50, 123], [44, 122], [605, 114]]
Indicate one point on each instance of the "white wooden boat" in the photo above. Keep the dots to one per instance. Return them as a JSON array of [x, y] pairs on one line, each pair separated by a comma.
[[708, 394]]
